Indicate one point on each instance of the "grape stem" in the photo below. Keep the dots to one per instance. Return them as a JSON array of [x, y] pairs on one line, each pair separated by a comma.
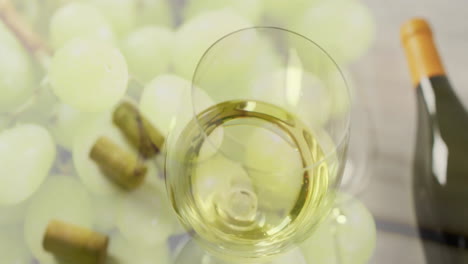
[[35, 45]]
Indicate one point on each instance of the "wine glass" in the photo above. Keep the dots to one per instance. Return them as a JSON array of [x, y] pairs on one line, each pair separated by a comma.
[[255, 157]]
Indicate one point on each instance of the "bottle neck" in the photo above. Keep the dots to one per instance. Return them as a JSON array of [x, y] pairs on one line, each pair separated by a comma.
[[421, 52]]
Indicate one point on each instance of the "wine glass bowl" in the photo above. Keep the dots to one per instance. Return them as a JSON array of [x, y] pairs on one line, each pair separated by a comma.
[[253, 163]]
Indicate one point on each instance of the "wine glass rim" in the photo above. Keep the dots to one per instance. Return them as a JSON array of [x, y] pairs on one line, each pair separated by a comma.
[[342, 139]]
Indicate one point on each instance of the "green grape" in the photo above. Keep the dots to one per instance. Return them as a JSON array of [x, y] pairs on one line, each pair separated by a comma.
[[106, 206], [250, 9], [193, 253], [294, 256], [123, 251], [145, 216], [33, 12], [320, 247], [348, 236], [153, 12], [161, 100], [121, 14], [78, 20], [59, 3], [167, 102], [346, 30], [310, 102], [178, 249], [41, 108], [220, 62], [89, 75], [62, 198], [12, 214], [17, 74], [27, 153], [4, 121], [68, 122], [165, 97], [342, 92], [267, 59], [198, 34], [29, 10], [284, 176], [88, 171], [284, 11], [105, 209], [154, 179], [13, 249], [148, 52], [356, 229]]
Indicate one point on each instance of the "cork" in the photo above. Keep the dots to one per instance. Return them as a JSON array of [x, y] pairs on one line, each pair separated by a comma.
[[122, 167], [138, 130], [421, 51], [74, 244]]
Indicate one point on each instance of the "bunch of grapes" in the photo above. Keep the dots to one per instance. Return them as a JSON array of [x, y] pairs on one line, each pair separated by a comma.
[[67, 65]]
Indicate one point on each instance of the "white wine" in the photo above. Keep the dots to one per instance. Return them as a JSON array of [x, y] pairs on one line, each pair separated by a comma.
[[232, 211]]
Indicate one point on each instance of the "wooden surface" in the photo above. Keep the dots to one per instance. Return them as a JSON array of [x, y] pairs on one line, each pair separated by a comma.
[[383, 80]]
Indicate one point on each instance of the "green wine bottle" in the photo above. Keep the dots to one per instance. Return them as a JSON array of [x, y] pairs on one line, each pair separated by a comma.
[[440, 178]]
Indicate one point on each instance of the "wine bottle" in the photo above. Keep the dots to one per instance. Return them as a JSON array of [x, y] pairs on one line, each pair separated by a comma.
[[440, 173]]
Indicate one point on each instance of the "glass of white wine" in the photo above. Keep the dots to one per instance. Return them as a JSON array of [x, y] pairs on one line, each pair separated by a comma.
[[253, 162]]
